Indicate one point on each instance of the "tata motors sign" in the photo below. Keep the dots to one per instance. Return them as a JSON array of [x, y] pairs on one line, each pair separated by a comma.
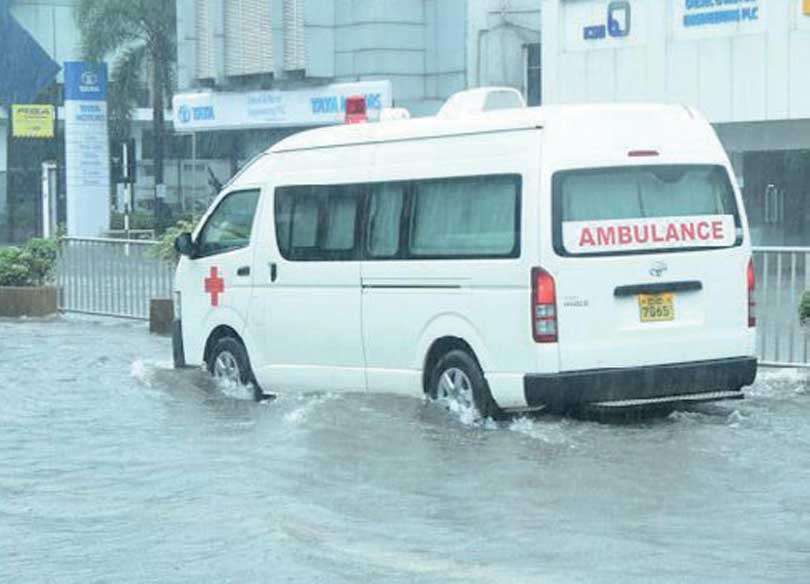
[[315, 106], [87, 160]]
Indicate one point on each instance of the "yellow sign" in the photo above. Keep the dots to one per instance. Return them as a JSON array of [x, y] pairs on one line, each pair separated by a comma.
[[806, 7], [32, 121]]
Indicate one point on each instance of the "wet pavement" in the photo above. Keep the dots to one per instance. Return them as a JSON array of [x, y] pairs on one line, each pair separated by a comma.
[[116, 468]]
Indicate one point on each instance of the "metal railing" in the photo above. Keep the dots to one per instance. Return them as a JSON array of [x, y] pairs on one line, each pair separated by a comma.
[[783, 274], [117, 277], [112, 277]]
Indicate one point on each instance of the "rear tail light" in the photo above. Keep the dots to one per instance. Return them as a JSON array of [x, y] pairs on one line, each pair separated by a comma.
[[544, 307], [752, 281]]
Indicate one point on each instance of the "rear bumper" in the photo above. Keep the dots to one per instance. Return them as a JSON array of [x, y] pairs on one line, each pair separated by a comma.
[[675, 382]]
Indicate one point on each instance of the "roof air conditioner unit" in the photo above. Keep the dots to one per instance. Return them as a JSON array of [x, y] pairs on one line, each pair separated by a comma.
[[484, 99]]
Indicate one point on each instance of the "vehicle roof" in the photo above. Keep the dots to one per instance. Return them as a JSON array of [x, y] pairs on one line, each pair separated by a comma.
[[591, 115]]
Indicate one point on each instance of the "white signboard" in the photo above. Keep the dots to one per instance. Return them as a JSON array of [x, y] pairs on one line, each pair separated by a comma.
[[265, 109], [87, 157], [622, 235], [699, 19]]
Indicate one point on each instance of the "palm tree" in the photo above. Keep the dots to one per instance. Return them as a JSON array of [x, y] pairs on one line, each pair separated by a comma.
[[139, 37]]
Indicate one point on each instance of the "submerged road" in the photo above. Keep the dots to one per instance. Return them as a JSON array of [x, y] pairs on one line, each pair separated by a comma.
[[116, 468]]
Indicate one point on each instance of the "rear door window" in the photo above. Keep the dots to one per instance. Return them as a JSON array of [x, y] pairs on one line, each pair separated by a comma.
[[644, 209]]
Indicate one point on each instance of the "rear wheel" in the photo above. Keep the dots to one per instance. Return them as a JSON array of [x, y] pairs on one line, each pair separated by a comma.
[[457, 376], [228, 361]]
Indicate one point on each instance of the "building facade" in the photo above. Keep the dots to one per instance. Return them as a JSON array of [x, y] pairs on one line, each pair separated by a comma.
[[250, 72], [504, 46], [417, 45], [743, 63], [252, 56]]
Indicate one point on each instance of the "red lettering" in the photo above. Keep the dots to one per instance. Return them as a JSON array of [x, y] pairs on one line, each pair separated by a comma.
[[586, 238], [717, 230], [641, 236], [625, 236], [703, 230], [672, 232], [687, 231], [606, 235], [655, 238]]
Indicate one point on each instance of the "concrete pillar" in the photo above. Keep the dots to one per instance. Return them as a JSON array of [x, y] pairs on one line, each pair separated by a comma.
[[186, 43], [217, 22]]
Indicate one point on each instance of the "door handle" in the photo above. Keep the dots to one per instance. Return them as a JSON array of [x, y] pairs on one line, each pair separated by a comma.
[[273, 271], [243, 271]]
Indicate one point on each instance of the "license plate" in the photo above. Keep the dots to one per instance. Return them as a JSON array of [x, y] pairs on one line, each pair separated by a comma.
[[656, 307]]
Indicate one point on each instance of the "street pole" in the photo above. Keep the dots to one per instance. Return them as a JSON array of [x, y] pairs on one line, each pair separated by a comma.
[[193, 169], [125, 154]]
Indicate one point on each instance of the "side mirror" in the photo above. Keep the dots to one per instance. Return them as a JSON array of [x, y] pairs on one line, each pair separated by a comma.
[[184, 245]]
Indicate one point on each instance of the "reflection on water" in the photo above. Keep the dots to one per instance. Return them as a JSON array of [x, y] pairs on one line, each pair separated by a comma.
[[114, 467]]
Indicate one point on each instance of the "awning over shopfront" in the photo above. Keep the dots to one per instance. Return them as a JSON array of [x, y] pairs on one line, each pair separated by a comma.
[[25, 67]]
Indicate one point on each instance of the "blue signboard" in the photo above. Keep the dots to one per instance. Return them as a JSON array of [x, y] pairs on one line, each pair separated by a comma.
[[618, 23], [711, 12], [85, 81]]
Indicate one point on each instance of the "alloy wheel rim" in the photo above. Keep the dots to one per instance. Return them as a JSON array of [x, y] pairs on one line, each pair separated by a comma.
[[456, 386], [226, 367]]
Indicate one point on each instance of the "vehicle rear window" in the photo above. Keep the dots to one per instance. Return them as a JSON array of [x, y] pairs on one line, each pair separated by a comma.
[[644, 209]]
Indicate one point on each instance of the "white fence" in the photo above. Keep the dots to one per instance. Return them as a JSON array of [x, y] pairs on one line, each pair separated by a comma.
[[113, 277], [783, 274]]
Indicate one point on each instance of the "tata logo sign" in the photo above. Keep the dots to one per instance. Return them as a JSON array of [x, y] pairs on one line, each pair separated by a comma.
[[88, 82], [617, 25], [198, 113], [337, 104], [184, 114]]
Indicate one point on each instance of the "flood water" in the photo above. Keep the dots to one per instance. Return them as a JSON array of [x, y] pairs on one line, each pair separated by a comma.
[[115, 468]]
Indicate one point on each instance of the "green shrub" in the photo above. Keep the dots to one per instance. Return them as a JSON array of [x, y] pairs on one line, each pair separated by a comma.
[[804, 308], [137, 220], [165, 248], [30, 265]]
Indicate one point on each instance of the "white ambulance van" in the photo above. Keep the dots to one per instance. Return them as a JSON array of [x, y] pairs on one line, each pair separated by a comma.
[[515, 259]]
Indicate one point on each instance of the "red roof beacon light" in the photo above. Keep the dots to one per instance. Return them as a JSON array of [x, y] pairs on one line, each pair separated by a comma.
[[356, 110]]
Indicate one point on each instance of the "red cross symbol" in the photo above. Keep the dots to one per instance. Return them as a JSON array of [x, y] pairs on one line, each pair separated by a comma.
[[214, 285]]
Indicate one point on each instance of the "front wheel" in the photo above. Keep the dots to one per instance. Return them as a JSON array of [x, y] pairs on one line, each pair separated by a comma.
[[457, 376], [229, 362]]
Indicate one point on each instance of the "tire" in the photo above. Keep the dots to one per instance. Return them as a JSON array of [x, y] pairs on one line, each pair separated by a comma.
[[229, 360], [457, 361]]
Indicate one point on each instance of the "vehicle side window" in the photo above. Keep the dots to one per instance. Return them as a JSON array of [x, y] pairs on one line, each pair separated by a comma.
[[318, 223], [230, 225], [385, 211], [469, 217]]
